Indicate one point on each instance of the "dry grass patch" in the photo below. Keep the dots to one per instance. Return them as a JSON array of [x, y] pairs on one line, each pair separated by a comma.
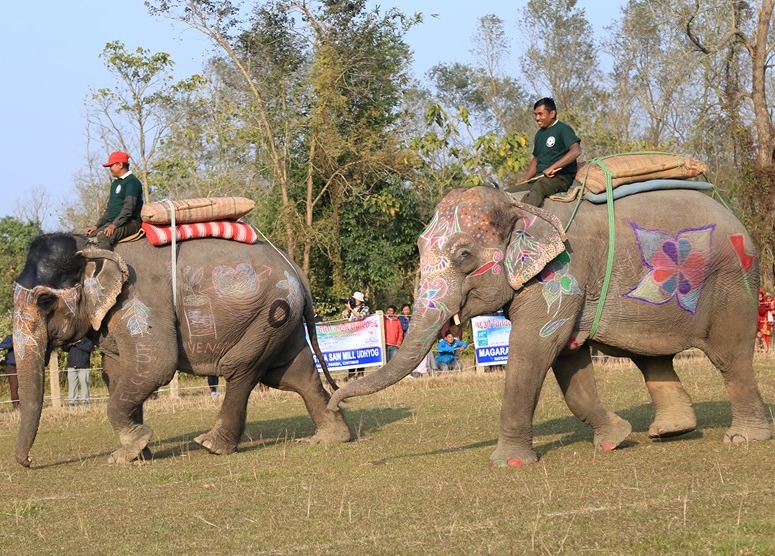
[[416, 482]]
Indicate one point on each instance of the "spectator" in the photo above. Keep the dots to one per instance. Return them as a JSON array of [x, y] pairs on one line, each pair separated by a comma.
[[446, 349], [555, 150], [10, 366], [78, 368], [763, 328], [394, 332], [355, 309], [405, 317], [212, 382], [121, 217]]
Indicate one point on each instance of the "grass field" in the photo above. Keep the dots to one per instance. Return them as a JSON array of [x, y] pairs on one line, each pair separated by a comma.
[[417, 481]]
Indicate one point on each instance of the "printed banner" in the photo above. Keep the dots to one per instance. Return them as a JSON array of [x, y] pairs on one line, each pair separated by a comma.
[[491, 339], [351, 345]]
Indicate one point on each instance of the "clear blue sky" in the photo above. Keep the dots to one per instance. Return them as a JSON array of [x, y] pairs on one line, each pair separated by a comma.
[[49, 62]]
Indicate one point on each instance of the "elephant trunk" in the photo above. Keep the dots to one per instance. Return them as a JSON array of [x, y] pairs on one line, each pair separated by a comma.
[[419, 340], [31, 374]]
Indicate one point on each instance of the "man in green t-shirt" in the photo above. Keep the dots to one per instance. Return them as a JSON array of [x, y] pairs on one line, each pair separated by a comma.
[[122, 215], [555, 150]]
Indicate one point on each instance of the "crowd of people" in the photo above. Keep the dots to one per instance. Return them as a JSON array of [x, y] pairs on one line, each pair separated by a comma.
[[766, 321]]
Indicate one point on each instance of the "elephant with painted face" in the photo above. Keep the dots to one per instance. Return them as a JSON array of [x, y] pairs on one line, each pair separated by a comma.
[[239, 312], [683, 275]]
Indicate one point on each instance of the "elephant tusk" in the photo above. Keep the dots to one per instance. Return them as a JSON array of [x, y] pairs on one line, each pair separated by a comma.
[[456, 319]]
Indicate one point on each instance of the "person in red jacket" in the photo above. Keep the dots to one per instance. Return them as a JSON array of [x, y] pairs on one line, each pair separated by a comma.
[[763, 328], [394, 332]]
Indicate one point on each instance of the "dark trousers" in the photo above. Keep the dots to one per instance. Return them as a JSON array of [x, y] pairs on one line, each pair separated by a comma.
[[105, 242], [13, 385], [542, 188]]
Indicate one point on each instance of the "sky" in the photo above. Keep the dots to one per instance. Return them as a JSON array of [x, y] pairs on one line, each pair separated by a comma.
[[49, 63]]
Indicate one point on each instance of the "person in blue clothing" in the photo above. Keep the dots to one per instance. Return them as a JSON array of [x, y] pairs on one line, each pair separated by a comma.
[[10, 368], [447, 346]]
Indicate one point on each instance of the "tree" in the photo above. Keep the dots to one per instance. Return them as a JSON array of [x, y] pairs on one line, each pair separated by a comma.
[[494, 100], [320, 86], [561, 57], [15, 237], [135, 115]]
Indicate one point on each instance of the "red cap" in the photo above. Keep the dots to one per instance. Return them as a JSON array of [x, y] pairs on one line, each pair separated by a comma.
[[118, 156]]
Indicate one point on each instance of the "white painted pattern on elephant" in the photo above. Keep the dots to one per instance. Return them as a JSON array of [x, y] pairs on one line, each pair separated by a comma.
[[70, 297], [294, 293], [23, 320], [136, 315], [196, 306], [240, 281], [92, 287]]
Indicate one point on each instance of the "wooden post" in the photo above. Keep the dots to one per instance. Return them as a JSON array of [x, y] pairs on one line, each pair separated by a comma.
[[175, 387], [53, 375]]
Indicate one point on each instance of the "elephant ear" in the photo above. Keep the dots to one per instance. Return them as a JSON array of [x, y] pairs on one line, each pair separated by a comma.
[[537, 238], [103, 278]]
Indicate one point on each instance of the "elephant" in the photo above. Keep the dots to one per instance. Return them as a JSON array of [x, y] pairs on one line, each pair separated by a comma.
[[238, 311], [683, 275]]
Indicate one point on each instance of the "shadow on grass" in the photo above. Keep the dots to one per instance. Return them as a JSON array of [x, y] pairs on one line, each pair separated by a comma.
[[710, 415], [261, 434]]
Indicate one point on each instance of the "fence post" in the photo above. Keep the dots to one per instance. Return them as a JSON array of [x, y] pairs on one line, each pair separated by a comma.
[[53, 375], [175, 387]]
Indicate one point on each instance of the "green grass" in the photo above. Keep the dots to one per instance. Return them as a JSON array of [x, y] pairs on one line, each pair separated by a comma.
[[416, 482]]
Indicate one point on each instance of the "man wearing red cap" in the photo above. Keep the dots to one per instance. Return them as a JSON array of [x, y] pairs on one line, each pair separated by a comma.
[[122, 215]]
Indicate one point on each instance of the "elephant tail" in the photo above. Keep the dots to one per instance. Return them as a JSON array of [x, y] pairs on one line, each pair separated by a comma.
[[309, 319]]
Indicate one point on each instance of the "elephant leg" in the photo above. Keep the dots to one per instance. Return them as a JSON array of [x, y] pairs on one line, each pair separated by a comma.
[[126, 415], [749, 415], [674, 412], [224, 437], [525, 374], [575, 375], [302, 377]]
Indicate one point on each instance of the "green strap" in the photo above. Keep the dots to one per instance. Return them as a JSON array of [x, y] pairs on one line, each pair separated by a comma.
[[609, 266]]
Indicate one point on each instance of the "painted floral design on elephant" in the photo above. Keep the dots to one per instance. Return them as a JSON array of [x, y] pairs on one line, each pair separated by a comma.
[[558, 281], [430, 294], [136, 314], [523, 249], [746, 262], [676, 265]]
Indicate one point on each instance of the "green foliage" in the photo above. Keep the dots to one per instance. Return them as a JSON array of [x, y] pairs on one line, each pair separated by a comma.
[[378, 243], [452, 156], [15, 237]]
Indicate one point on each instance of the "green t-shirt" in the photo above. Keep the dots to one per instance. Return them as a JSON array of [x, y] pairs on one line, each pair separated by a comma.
[[119, 190], [551, 144]]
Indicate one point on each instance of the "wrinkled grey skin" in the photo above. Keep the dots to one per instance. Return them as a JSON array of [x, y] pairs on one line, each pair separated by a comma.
[[239, 314], [485, 250]]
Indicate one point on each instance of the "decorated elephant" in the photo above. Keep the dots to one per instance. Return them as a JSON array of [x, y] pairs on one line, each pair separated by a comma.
[[683, 275], [238, 312]]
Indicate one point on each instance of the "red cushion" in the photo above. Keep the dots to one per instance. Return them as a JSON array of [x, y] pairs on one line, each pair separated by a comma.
[[237, 231]]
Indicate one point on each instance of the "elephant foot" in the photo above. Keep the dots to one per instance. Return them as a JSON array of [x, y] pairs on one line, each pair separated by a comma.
[[216, 444], [740, 434], [612, 434], [667, 426], [512, 456], [333, 430], [134, 446]]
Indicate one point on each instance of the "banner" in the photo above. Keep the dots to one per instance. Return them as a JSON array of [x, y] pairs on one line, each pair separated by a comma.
[[351, 344], [491, 339]]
